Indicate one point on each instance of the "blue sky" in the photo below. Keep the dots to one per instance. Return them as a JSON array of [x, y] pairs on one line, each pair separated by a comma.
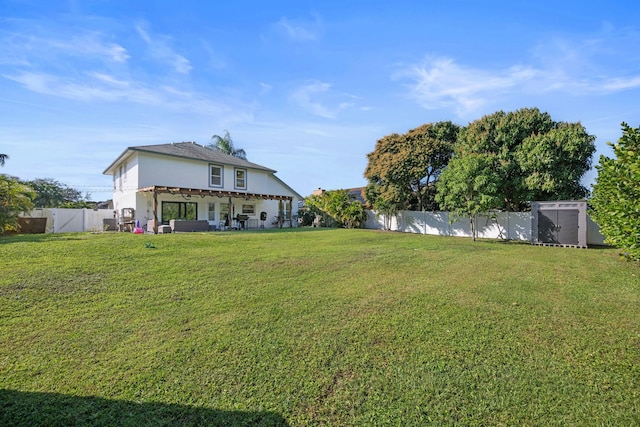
[[305, 87]]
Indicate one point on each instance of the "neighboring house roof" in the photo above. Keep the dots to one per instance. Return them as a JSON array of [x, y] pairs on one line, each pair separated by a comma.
[[108, 204], [356, 193], [189, 150]]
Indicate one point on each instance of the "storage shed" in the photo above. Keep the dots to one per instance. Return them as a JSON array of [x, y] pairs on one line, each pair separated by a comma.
[[559, 223]]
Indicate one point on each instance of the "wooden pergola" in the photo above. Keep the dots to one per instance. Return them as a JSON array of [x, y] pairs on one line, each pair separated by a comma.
[[155, 190]]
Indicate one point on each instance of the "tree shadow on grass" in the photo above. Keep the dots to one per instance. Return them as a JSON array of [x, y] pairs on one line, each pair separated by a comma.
[[49, 409]]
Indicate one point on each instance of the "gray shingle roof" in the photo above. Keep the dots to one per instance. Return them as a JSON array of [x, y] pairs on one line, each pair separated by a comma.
[[191, 150]]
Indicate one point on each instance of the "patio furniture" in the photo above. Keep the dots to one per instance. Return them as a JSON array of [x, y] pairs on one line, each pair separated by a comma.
[[126, 219], [189, 225], [241, 221], [164, 229]]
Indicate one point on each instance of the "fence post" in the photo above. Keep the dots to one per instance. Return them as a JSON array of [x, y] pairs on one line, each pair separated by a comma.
[[424, 222]]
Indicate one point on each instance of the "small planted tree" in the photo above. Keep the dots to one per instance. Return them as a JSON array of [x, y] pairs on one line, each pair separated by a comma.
[[15, 198], [616, 194], [469, 186]]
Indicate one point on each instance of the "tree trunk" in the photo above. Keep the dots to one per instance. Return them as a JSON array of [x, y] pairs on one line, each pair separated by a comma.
[[472, 223]]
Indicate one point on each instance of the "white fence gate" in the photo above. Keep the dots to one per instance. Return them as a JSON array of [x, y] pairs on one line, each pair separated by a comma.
[[72, 220]]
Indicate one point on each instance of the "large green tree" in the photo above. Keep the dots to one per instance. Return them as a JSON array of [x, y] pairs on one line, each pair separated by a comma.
[[403, 169], [50, 193], [15, 199], [225, 144], [615, 202], [554, 163], [535, 157]]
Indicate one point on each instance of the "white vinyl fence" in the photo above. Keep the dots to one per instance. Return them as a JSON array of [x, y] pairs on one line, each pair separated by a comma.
[[501, 225], [72, 220]]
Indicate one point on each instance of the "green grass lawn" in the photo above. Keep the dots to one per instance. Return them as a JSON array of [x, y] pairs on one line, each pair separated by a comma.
[[315, 327]]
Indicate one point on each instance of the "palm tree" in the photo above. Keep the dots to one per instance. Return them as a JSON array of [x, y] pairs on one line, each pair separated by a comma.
[[3, 157], [225, 144]]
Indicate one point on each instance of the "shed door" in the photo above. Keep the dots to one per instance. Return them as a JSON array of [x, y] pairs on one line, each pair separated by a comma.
[[558, 226], [568, 227], [547, 226]]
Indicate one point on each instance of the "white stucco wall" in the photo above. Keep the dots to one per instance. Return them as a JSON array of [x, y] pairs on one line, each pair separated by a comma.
[[152, 169], [164, 170]]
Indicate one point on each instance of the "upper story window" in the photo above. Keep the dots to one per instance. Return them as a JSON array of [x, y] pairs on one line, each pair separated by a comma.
[[215, 175], [121, 173], [241, 179]]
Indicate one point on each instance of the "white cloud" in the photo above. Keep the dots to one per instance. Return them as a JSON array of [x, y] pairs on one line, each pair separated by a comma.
[[96, 87], [87, 67], [265, 88], [91, 44], [143, 34], [300, 31], [303, 96], [441, 82], [159, 48], [101, 87], [603, 63], [25, 49], [309, 97], [216, 60], [118, 53], [109, 79], [618, 84]]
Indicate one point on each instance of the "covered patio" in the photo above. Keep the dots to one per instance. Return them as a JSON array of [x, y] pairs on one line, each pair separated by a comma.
[[282, 218]]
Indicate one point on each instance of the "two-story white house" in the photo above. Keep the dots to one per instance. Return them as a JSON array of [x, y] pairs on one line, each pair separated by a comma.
[[187, 181]]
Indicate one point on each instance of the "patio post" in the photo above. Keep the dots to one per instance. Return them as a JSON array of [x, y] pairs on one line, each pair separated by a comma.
[[155, 210]]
